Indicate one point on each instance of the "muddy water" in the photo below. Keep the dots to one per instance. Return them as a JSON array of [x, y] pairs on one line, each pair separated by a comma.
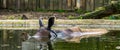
[[11, 40], [110, 41]]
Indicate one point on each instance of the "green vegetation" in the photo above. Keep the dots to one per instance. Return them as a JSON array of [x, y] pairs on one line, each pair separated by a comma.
[[45, 10], [40, 10], [13, 17], [80, 11], [59, 11], [115, 17], [73, 17], [101, 12], [104, 12]]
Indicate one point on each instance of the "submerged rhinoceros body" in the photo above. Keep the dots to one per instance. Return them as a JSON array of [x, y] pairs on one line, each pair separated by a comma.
[[45, 35], [75, 34]]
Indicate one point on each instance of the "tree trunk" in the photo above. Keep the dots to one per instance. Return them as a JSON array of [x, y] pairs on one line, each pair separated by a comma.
[[4, 3]]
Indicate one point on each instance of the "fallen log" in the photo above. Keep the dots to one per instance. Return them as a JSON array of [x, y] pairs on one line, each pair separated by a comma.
[[101, 12]]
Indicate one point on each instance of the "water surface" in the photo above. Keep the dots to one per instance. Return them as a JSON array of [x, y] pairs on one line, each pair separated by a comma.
[[11, 40]]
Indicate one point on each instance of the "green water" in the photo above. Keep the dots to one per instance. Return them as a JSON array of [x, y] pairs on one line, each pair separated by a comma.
[[108, 41]]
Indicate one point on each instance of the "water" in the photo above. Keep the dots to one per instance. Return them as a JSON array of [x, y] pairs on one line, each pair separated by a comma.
[[11, 40], [110, 41]]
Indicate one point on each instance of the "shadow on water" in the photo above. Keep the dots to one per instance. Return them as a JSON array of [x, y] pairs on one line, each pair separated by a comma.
[[11, 40]]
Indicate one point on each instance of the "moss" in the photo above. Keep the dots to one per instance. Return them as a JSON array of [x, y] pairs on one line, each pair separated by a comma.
[[40, 9], [115, 16], [80, 17], [80, 11], [100, 8], [11, 17], [59, 10], [45, 10], [71, 17]]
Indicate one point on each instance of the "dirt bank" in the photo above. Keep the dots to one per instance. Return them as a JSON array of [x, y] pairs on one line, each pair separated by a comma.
[[35, 15]]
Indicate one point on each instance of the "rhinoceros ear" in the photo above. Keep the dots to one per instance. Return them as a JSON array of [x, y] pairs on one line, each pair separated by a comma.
[[40, 22], [50, 23]]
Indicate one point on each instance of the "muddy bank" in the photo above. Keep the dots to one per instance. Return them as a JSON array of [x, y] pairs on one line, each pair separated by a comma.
[[36, 15]]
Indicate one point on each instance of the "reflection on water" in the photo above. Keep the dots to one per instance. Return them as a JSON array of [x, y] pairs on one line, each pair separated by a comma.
[[110, 41]]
